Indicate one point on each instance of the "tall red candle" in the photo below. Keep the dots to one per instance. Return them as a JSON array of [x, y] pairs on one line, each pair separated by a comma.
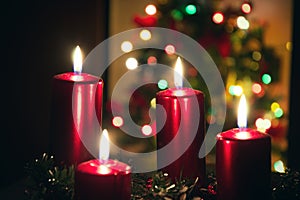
[[103, 179], [76, 110], [243, 163], [184, 110]]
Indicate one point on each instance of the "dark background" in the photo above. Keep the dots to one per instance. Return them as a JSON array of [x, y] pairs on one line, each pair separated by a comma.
[[37, 39]]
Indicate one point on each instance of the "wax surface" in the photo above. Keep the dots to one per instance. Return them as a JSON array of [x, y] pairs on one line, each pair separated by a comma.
[[184, 112], [243, 164], [108, 181], [76, 113]]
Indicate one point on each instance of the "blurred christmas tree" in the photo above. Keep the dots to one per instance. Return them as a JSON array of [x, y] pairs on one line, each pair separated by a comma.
[[236, 45]]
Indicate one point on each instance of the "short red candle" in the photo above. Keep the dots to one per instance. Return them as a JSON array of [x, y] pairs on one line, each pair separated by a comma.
[[76, 97], [243, 164], [182, 106], [108, 181]]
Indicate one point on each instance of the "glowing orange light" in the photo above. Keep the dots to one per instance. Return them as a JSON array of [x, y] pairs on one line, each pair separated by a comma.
[[102, 169], [77, 60], [178, 72], [218, 18], [243, 135]]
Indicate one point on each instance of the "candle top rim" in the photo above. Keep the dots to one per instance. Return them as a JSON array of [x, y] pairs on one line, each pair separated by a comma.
[[173, 92], [252, 134], [78, 77], [115, 167]]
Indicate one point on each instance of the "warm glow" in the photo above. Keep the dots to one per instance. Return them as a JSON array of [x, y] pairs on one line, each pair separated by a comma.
[[153, 103], [146, 130], [178, 73], [242, 112], [256, 88], [150, 9], [218, 18], [151, 60], [145, 35], [102, 169], [117, 121], [243, 135], [262, 124], [77, 60], [104, 147], [236, 90], [242, 22], [170, 49], [126, 46], [246, 8], [131, 63]]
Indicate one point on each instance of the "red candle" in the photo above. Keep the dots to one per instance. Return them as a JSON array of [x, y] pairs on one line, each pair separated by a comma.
[[76, 113], [184, 114], [243, 161], [104, 178]]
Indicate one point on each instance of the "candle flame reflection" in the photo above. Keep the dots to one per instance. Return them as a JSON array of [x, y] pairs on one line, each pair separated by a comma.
[[178, 72], [104, 147], [243, 135], [242, 112], [77, 60]]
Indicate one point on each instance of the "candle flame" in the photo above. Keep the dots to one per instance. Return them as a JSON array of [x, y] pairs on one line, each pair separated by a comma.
[[178, 72], [104, 147], [77, 60], [242, 112]]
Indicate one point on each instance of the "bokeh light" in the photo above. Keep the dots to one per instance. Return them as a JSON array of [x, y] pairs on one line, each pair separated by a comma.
[[177, 15], [151, 60], [288, 46], [246, 8], [126, 46], [278, 112], [218, 17], [145, 34], [147, 130], [190, 9], [242, 23], [170, 49], [117, 121], [274, 106], [162, 84], [256, 55], [262, 124], [266, 79], [256, 88], [235, 90], [279, 166], [150, 9], [153, 103], [131, 63]]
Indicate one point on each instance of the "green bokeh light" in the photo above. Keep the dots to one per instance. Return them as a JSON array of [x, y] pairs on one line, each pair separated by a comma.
[[176, 14], [162, 84], [266, 79], [278, 113], [190, 9]]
